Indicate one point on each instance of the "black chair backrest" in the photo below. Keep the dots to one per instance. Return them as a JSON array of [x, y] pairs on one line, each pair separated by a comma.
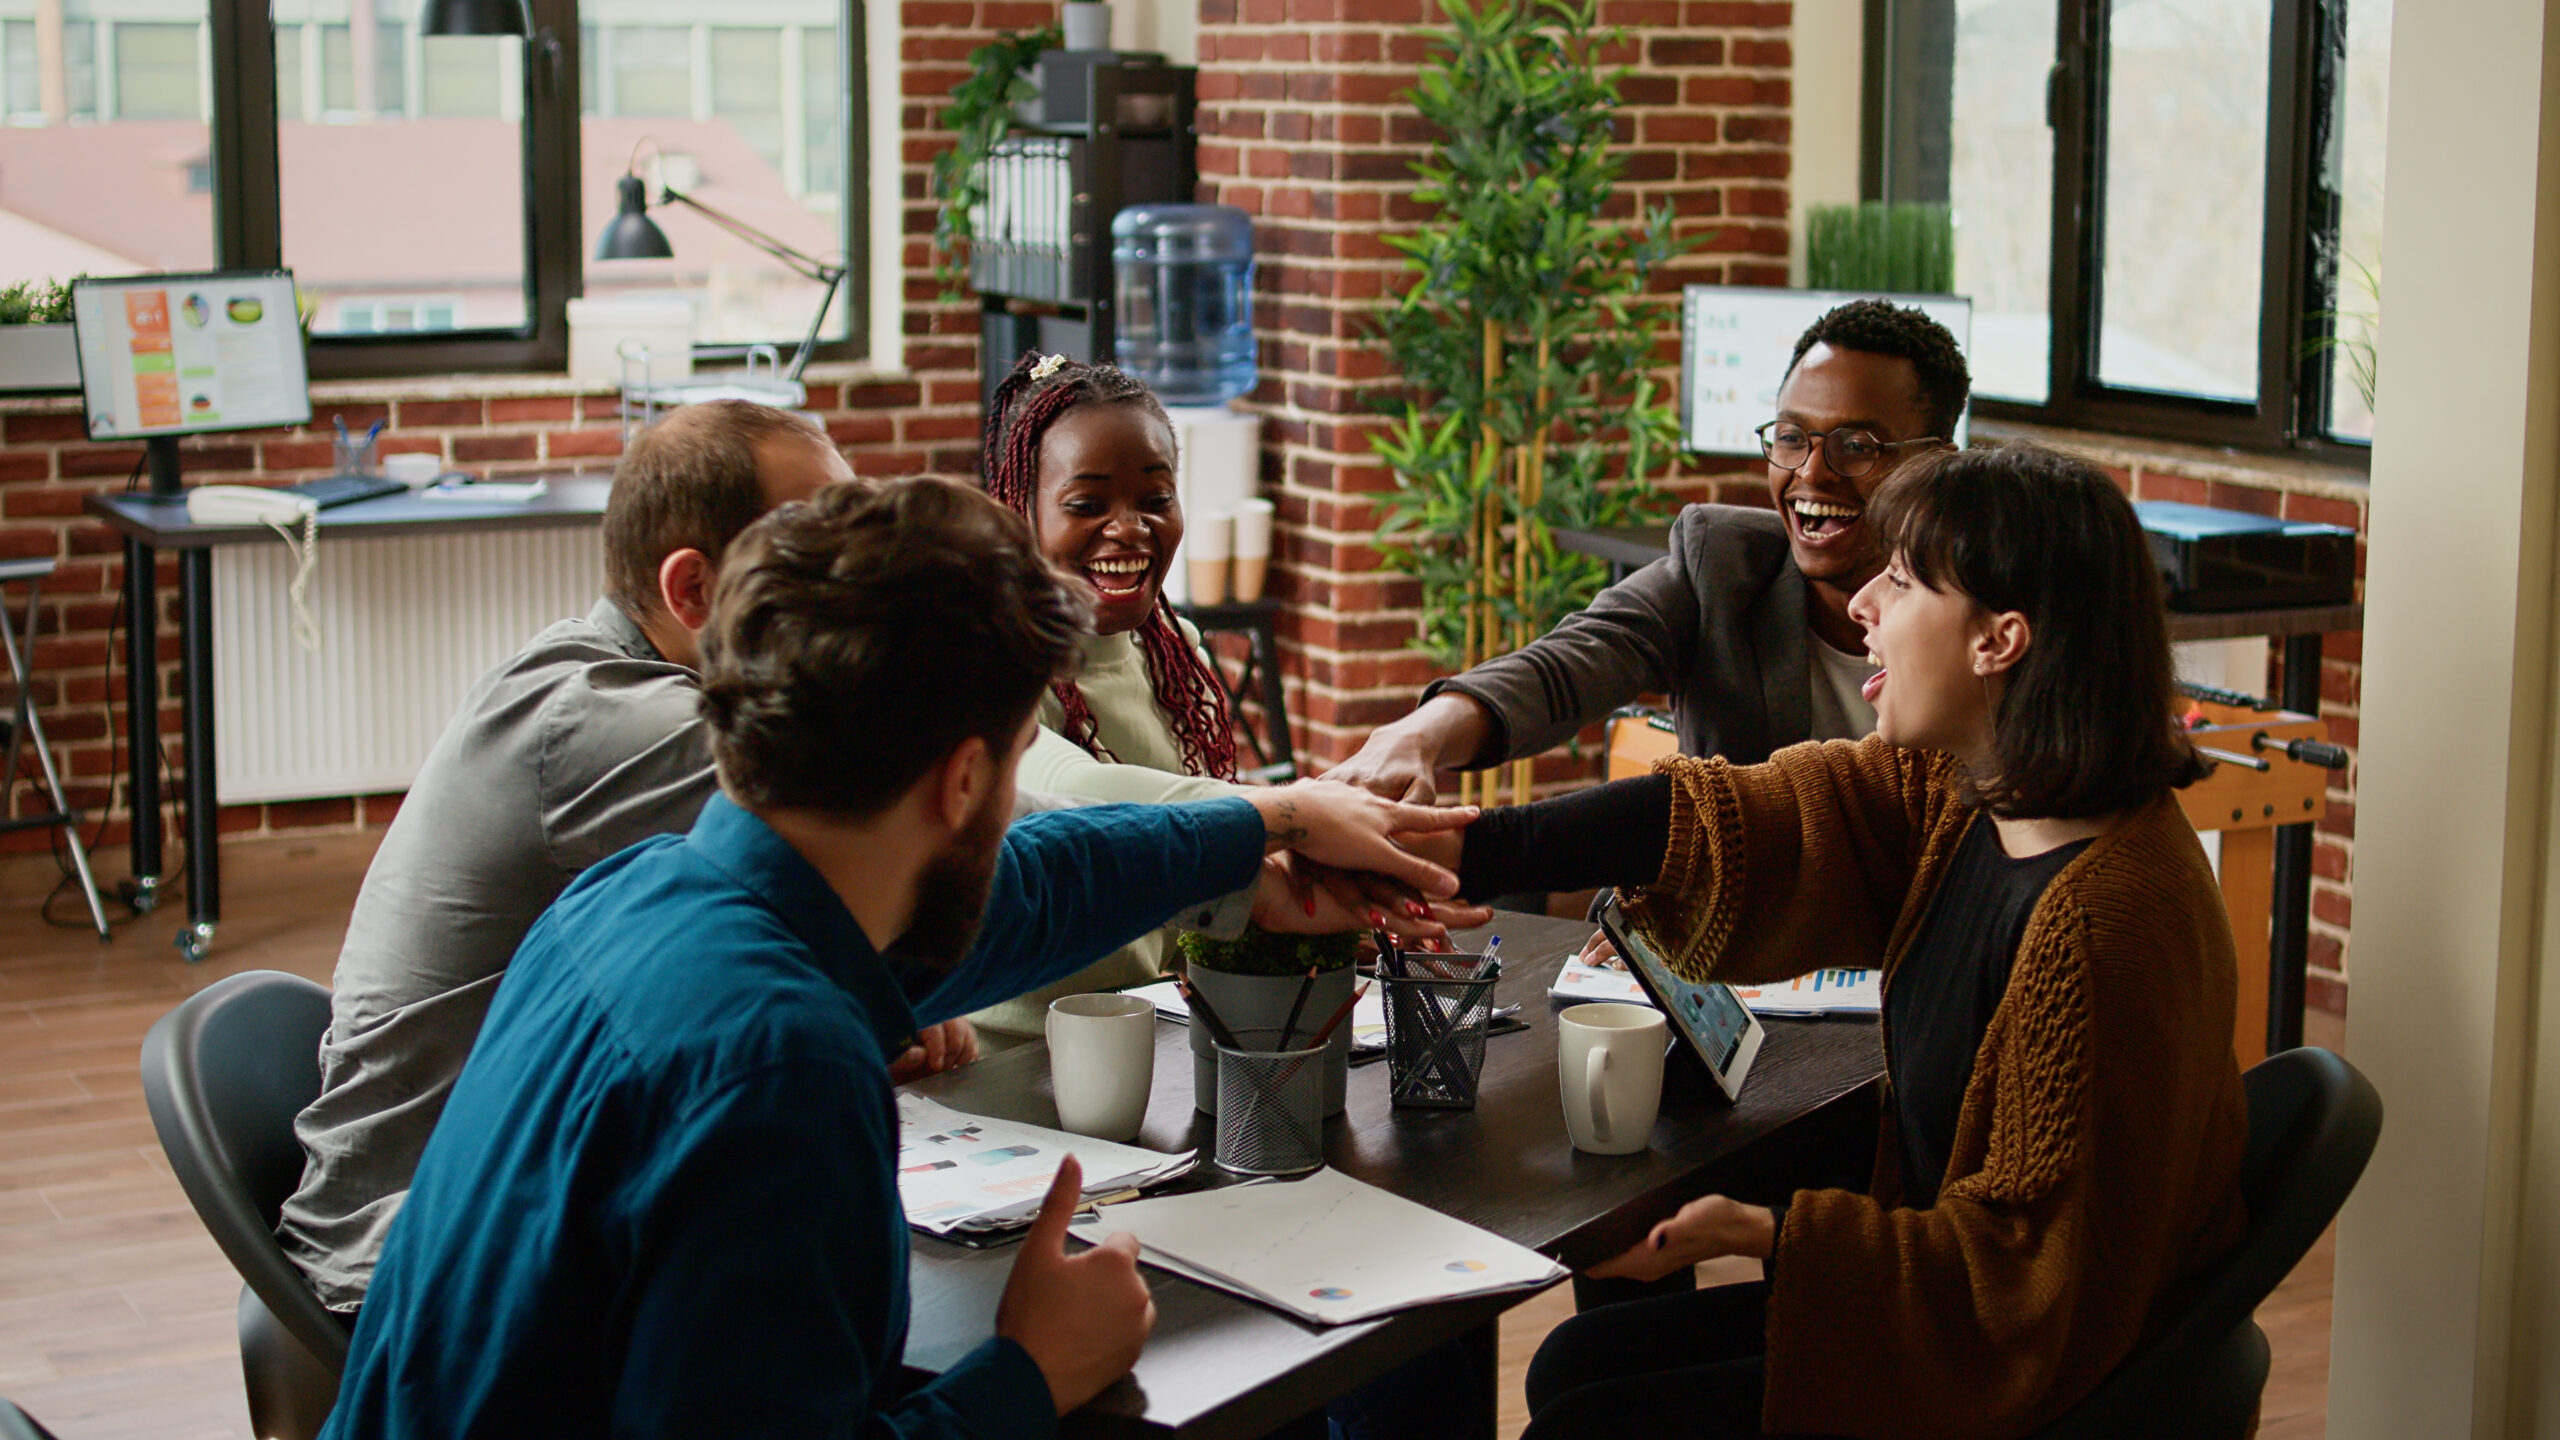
[[224, 1075], [17, 1424], [2313, 1120]]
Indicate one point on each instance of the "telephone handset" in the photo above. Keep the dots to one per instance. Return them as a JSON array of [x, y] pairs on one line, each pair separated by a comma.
[[245, 505], [277, 510]]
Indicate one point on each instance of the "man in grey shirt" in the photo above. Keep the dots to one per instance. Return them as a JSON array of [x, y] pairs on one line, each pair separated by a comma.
[[1745, 624], [584, 743]]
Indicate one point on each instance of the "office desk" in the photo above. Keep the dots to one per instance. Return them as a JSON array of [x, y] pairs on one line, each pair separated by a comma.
[[1221, 1368], [150, 524], [1628, 548]]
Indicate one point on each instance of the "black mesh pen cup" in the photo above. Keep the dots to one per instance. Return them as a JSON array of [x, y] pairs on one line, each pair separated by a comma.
[[1437, 1010], [1270, 1105]]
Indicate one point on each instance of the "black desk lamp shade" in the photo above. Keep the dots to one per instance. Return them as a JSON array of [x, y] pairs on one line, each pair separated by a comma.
[[475, 17], [632, 235]]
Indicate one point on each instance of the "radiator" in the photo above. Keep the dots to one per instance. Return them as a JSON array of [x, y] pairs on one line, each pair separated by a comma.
[[407, 626]]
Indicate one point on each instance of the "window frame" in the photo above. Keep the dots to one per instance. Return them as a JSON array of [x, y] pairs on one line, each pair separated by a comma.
[[2297, 265], [248, 196]]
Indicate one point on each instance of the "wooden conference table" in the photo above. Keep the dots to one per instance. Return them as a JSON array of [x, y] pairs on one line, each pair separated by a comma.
[[1219, 1366]]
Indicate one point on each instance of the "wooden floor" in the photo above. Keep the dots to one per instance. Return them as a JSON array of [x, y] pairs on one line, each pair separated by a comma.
[[115, 1307]]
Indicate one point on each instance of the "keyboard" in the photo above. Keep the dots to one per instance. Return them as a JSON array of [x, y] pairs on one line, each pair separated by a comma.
[[338, 490]]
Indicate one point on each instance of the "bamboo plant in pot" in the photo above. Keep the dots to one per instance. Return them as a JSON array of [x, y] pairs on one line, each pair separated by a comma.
[[1533, 398], [1252, 981]]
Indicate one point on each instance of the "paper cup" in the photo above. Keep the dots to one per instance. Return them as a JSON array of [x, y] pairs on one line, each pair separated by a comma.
[[1209, 542], [1253, 547]]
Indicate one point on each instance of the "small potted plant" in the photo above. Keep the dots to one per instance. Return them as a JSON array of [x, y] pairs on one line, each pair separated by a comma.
[[1253, 980], [37, 353]]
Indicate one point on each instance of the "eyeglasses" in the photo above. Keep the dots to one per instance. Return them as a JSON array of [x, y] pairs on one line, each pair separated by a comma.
[[1852, 452]]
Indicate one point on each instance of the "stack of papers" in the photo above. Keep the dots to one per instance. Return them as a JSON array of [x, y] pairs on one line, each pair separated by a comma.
[[1824, 992], [966, 1173], [1328, 1248]]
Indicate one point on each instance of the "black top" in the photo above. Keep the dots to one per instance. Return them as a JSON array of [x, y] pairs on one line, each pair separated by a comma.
[[1943, 994], [1947, 987]]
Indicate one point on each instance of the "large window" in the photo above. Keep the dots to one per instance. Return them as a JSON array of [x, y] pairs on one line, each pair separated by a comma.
[[2167, 212], [104, 109], [746, 115], [438, 197]]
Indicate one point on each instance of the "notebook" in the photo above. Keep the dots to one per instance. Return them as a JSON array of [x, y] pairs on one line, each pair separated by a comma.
[[1327, 1248]]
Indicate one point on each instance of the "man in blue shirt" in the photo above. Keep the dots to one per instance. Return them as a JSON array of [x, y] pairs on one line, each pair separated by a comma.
[[662, 1198]]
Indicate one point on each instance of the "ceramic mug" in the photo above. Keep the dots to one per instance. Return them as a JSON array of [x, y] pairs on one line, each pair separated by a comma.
[[1609, 1064], [1102, 1063]]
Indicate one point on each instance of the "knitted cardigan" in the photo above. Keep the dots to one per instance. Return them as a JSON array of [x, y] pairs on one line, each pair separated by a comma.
[[2096, 1164]]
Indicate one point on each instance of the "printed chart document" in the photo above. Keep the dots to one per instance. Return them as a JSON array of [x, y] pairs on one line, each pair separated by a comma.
[[1824, 992], [967, 1173], [1327, 1248]]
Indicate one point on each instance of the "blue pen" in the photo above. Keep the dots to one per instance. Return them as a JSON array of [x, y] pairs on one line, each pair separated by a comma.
[[1493, 947]]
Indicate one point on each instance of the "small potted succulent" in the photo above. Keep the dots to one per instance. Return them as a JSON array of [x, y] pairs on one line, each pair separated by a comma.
[[1252, 980], [36, 350]]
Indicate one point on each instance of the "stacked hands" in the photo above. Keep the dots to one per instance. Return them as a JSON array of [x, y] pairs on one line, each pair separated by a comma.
[[1340, 858]]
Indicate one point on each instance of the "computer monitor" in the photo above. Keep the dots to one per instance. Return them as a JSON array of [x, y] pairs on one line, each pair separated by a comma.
[[1736, 340], [169, 355]]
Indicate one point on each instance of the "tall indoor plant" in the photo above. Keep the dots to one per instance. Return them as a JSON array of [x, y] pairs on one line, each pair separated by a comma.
[[1526, 336]]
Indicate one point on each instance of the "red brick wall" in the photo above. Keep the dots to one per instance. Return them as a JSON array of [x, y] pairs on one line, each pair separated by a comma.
[[1302, 125], [46, 467]]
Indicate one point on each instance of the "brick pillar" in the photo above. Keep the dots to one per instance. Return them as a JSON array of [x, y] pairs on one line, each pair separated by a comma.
[[1302, 125]]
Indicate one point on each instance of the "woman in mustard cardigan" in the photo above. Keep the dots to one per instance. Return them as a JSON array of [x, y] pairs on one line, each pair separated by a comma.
[[2063, 1129]]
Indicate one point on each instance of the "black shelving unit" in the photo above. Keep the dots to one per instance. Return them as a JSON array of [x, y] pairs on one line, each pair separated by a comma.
[[1119, 129]]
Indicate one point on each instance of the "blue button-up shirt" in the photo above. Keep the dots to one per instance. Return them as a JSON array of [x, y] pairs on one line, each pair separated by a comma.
[[662, 1199]]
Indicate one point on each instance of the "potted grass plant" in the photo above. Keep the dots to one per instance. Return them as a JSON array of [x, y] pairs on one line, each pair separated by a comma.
[[37, 354], [1253, 981]]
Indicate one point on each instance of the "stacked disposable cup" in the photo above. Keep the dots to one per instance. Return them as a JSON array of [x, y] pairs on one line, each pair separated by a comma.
[[1253, 547], [1210, 542]]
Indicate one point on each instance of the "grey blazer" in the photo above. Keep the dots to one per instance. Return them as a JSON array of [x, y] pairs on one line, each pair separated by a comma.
[[1718, 625]]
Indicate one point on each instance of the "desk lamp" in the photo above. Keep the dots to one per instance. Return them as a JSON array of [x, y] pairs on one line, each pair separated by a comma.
[[632, 235]]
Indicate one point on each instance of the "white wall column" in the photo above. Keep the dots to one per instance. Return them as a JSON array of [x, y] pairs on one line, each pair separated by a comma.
[[2446, 1283]]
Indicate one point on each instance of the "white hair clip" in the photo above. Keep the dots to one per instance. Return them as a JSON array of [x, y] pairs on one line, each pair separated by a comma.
[[1049, 365]]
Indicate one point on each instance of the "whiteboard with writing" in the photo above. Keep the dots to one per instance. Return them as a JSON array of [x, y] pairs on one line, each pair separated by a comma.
[[1735, 341]]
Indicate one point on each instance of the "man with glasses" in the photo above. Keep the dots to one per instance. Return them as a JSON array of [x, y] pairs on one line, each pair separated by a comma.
[[1745, 624]]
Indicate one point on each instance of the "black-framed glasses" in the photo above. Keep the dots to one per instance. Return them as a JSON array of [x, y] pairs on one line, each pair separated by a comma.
[[1852, 451]]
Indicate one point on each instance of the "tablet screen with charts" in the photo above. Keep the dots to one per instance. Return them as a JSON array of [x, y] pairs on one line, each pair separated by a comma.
[[1714, 1023]]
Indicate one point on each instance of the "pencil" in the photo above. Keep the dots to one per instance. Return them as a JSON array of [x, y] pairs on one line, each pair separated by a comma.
[[1208, 1014], [1297, 1008], [1345, 1009]]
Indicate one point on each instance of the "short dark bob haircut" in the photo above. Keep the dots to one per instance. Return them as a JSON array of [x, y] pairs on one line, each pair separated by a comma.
[[2084, 726]]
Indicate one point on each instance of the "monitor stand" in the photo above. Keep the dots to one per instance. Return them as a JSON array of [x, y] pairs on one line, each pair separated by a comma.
[[162, 451]]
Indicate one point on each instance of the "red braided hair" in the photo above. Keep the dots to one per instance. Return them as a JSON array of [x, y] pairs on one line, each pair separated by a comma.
[[1191, 696]]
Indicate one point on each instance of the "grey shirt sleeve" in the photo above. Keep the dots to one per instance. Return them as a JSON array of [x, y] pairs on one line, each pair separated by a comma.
[[1633, 638]]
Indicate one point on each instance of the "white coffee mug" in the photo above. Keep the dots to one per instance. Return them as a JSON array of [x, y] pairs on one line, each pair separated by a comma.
[[1102, 1063], [1609, 1063]]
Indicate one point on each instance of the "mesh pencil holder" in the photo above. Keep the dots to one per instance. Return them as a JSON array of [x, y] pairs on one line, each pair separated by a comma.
[[1270, 1106], [1436, 1018]]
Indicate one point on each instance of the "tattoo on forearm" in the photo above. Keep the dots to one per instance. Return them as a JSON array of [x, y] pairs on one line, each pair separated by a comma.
[[1281, 825]]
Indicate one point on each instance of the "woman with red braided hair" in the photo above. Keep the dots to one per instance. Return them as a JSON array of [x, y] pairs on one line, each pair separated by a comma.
[[1086, 454]]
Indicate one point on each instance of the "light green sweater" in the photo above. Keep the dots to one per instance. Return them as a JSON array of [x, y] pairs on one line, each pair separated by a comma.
[[1133, 728]]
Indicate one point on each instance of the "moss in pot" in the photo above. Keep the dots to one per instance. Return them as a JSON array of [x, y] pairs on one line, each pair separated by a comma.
[[1252, 981]]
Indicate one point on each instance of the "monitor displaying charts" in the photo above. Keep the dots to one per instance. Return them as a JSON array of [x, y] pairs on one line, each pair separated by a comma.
[[180, 354], [1736, 340]]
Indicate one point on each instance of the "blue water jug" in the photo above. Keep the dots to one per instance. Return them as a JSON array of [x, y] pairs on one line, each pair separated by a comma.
[[1185, 300]]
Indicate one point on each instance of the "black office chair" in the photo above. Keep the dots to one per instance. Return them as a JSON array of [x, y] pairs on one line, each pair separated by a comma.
[[224, 1075], [2312, 1124], [17, 1424]]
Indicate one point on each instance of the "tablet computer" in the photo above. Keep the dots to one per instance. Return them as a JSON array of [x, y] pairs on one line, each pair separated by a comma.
[[1710, 1019]]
